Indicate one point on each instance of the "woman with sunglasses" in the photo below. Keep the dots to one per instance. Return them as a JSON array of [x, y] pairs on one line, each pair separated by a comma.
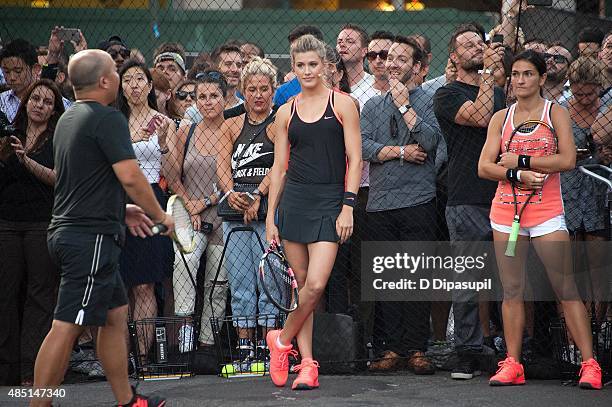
[[26, 201], [183, 97], [584, 197], [319, 130], [246, 158], [191, 168], [145, 262]]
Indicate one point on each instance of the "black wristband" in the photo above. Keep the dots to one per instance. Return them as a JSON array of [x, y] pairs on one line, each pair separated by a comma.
[[350, 199], [512, 176], [524, 162]]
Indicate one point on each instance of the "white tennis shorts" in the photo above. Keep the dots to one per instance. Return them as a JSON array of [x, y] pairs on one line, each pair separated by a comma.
[[550, 226]]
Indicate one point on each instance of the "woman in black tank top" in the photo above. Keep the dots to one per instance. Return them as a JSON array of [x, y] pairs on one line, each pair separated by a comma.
[[317, 133], [245, 159]]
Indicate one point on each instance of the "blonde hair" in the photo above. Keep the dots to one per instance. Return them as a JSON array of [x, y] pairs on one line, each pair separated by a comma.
[[587, 69], [258, 66], [308, 43]]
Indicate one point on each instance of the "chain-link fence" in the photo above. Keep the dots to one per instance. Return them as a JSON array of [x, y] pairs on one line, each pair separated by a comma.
[[209, 88]]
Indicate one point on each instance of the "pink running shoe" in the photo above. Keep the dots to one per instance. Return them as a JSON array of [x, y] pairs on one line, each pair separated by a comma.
[[510, 373], [590, 375], [308, 378], [279, 358]]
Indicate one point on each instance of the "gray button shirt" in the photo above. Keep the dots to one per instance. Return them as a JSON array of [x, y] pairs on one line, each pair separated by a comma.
[[395, 186]]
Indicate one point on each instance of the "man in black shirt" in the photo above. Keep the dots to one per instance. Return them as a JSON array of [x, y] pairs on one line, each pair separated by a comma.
[[95, 165], [463, 109]]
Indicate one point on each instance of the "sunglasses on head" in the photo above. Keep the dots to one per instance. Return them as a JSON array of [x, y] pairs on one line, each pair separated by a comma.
[[214, 75], [557, 57], [182, 95], [371, 55], [124, 52]]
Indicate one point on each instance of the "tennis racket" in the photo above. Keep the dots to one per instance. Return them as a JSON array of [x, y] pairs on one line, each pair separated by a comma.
[[277, 279], [183, 235], [534, 138]]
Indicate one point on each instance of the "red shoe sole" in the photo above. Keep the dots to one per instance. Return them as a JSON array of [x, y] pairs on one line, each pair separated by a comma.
[[496, 383], [303, 386]]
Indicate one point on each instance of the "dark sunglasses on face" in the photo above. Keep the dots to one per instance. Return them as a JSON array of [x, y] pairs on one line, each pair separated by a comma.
[[559, 59], [124, 52], [182, 95], [371, 55]]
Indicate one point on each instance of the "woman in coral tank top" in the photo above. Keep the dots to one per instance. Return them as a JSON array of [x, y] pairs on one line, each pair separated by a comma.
[[542, 221]]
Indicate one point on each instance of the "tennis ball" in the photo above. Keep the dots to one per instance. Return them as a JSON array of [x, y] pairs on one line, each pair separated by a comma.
[[258, 367], [228, 370]]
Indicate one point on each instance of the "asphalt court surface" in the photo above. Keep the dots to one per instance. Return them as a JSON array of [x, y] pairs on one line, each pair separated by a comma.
[[365, 390]]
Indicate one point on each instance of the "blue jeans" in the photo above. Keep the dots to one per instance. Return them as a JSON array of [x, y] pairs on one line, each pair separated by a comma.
[[241, 262]]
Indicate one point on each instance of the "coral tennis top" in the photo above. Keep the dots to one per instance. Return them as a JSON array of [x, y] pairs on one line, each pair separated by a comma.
[[547, 202]]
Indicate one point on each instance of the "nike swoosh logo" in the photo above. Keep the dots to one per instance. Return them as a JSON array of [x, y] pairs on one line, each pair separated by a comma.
[[327, 117], [250, 159]]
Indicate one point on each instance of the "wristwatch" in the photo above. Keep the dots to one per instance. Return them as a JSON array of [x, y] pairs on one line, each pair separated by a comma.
[[404, 109], [256, 191], [207, 202], [401, 157]]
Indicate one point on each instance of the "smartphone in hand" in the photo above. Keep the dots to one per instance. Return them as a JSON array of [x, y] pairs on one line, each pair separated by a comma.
[[497, 38], [152, 125], [69, 34]]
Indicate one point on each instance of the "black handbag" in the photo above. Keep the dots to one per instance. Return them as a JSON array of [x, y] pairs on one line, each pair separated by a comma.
[[224, 210], [227, 213]]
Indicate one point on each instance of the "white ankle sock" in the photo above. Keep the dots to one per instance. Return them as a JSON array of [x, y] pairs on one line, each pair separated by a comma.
[[279, 343]]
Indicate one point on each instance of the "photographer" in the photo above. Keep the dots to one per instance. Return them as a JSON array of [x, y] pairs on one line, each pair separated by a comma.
[[26, 199]]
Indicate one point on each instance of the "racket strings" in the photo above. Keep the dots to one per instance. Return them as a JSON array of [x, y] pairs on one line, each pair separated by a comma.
[[277, 280], [182, 223]]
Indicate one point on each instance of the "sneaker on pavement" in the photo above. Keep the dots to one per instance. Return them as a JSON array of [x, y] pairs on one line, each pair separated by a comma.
[[279, 358], [387, 362], [420, 364], [138, 400], [96, 370], [467, 367], [590, 375], [308, 376], [262, 353], [185, 338], [510, 373]]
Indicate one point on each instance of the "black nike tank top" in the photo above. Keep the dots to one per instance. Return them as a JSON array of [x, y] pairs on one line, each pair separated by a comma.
[[317, 154], [252, 156]]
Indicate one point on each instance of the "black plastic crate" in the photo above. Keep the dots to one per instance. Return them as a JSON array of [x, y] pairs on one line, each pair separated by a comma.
[[155, 344], [226, 341], [568, 357]]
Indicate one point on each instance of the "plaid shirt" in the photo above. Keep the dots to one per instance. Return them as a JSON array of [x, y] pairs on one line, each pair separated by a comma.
[[9, 104]]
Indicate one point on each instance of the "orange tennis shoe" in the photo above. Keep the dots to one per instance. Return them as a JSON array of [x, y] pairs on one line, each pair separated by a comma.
[[510, 373], [279, 358], [308, 378], [590, 375]]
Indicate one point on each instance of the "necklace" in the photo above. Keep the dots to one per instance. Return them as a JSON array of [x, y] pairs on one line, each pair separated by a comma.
[[255, 122]]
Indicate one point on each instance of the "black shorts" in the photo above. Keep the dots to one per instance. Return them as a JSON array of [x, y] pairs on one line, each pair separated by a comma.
[[90, 283]]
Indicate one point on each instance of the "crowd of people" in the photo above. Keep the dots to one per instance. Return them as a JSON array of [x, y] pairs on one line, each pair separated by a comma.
[[210, 131]]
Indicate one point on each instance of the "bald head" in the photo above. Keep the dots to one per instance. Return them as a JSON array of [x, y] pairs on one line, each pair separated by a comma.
[[87, 67]]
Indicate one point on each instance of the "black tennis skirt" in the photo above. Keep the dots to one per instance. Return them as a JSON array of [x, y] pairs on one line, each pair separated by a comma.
[[307, 213]]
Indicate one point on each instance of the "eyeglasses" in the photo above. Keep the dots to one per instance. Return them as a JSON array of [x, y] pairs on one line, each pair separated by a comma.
[[124, 52], [371, 55], [182, 95], [559, 59]]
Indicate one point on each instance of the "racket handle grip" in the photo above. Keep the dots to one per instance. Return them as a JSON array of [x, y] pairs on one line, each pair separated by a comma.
[[511, 248], [158, 228]]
